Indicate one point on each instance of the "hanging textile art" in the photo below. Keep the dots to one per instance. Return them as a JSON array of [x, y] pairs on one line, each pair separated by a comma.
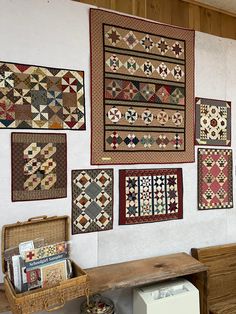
[[150, 195], [215, 181], [33, 97], [213, 122], [142, 91], [39, 166], [92, 200]]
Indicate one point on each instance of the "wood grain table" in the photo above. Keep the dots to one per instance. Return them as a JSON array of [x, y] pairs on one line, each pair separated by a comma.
[[143, 272]]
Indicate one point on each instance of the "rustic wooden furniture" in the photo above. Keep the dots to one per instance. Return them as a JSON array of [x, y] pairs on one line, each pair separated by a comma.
[[148, 271], [221, 261]]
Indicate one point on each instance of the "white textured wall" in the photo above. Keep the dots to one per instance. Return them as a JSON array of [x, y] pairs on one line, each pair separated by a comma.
[[56, 33]]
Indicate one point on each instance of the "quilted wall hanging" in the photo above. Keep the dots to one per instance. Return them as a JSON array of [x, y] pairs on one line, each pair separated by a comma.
[[39, 166], [142, 91], [92, 200], [215, 181], [150, 195], [41, 98], [213, 122]]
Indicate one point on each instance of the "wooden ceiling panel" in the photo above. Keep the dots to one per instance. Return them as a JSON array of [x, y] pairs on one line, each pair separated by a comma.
[[196, 14]]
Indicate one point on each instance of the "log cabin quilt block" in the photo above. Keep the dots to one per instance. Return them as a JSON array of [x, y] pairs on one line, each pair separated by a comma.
[[150, 195], [92, 200], [35, 97], [215, 180], [213, 122], [142, 91], [39, 166]]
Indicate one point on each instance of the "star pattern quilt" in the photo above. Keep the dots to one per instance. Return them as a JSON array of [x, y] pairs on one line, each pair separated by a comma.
[[150, 195], [142, 91]]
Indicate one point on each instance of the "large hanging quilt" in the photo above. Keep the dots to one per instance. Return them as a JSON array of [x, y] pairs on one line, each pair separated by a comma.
[[142, 91]]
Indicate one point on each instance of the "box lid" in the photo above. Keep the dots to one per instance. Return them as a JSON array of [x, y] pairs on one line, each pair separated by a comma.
[[52, 229]]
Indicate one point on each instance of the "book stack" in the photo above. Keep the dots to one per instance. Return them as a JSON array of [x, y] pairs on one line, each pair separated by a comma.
[[34, 265]]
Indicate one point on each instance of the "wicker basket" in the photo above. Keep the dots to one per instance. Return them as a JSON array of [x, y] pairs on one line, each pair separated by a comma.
[[53, 230]]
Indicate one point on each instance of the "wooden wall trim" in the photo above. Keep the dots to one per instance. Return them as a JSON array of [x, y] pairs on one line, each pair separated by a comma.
[[185, 13], [207, 6]]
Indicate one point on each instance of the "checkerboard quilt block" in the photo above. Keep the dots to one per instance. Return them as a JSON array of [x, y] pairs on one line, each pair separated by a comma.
[[213, 122], [142, 91], [215, 181], [33, 97], [150, 195], [39, 166], [92, 200]]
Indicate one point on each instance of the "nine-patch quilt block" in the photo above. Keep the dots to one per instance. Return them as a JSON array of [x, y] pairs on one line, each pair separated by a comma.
[[92, 200], [213, 122], [150, 195], [41, 98], [39, 166], [215, 181], [142, 91]]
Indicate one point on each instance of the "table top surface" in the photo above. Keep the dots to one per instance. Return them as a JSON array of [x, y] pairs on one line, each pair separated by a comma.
[[134, 273]]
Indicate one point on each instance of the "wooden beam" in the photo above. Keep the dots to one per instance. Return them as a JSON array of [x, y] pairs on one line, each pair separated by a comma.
[[210, 7], [186, 13]]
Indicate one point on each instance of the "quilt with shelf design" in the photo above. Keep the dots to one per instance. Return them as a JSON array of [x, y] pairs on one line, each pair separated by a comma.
[[142, 91]]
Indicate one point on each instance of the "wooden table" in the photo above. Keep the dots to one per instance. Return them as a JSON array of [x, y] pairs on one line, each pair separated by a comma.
[[143, 272]]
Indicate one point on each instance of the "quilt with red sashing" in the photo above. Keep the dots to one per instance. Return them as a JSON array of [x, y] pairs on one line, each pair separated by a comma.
[[150, 195]]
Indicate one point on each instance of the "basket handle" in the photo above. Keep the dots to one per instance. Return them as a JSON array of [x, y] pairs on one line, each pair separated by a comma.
[[58, 306], [38, 218]]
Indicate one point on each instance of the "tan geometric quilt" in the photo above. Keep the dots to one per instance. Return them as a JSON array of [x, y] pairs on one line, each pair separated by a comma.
[[142, 91], [33, 97], [39, 166]]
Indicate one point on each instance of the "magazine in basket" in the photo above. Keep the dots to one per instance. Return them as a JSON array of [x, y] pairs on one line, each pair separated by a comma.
[[48, 297]]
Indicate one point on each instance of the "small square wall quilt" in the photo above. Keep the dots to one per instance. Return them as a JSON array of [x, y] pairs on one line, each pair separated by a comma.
[[142, 91], [39, 166], [150, 195], [33, 97], [213, 122], [92, 200], [215, 181]]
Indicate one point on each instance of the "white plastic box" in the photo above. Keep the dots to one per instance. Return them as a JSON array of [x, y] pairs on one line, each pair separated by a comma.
[[177, 296]]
